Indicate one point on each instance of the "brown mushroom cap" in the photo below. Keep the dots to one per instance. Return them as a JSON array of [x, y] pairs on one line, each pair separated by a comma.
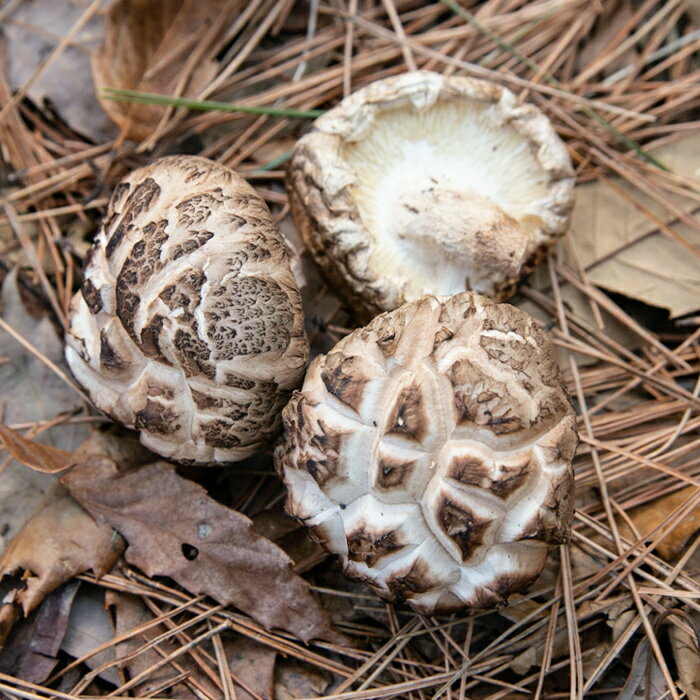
[[432, 451], [189, 324], [421, 173]]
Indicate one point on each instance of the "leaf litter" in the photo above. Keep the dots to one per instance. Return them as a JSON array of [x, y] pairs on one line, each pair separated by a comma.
[[633, 378], [89, 628]]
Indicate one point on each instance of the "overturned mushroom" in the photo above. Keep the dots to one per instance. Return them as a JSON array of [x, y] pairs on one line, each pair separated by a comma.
[[427, 184], [189, 324], [432, 451]]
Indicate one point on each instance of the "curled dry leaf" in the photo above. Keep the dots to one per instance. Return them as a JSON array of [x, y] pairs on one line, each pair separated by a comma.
[[204, 546], [41, 458], [59, 542], [157, 47]]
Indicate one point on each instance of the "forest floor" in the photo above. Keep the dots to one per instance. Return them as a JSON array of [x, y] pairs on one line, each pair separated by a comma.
[[85, 613]]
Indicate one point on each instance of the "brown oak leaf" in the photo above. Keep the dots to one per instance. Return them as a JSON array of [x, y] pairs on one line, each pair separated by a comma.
[[174, 529], [131, 614]]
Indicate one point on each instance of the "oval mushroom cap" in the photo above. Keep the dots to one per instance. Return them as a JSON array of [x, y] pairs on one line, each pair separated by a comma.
[[421, 172], [189, 324], [432, 451]]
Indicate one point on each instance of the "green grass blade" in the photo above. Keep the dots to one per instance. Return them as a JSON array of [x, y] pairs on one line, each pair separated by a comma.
[[150, 98]]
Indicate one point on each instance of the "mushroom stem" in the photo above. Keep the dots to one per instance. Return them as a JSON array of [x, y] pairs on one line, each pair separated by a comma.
[[465, 227]]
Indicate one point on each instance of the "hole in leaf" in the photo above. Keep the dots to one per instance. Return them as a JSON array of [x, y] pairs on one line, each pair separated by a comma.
[[189, 552]]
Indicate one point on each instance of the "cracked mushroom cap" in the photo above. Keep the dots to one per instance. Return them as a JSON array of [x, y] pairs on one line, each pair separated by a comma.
[[422, 172], [189, 325], [432, 451]]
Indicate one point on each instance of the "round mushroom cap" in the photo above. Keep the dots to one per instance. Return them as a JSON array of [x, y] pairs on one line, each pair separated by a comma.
[[422, 172], [432, 451], [189, 325]]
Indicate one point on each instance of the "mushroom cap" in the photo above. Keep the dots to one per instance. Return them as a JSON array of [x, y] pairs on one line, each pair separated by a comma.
[[422, 172], [189, 325], [432, 451]]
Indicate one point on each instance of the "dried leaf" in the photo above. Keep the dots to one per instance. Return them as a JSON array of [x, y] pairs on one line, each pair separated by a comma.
[[204, 546], [9, 611], [58, 543], [117, 445], [252, 664], [622, 249], [32, 648], [41, 458], [648, 516], [89, 627], [150, 46]]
